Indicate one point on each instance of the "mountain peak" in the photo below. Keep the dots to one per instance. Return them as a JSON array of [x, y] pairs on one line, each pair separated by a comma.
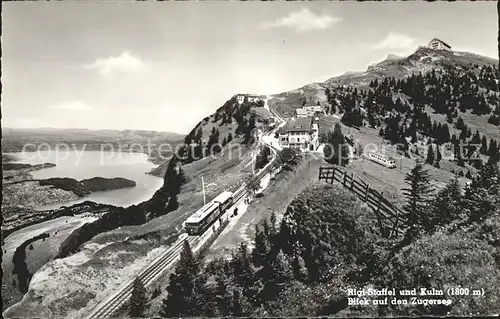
[[392, 57]]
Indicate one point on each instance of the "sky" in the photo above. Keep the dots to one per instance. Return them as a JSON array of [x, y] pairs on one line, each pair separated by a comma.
[[165, 66]]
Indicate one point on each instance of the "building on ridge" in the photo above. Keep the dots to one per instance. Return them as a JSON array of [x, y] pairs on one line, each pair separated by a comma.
[[437, 44]]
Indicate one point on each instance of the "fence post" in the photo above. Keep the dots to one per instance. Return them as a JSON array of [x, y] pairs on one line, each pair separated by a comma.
[[366, 192], [381, 226], [396, 224], [320, 171], [345, 179], [352, 181]]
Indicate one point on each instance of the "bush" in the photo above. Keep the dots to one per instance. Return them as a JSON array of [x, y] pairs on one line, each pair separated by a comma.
[[332, 231], [443, 261]]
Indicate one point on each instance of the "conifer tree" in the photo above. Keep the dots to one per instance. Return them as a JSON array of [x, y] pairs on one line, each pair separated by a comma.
[[181, 176], [446, 206], [381, 132], [182, 289], [242, 269], [277, 273], [261, 249], [237, 310], [438, 154], [493, 148], [298, 268], [336, 151], [468, 175], [482, 197], [430, 155], [272, 222], [138, 299], [417, 200], [222, 297], [484, 145]]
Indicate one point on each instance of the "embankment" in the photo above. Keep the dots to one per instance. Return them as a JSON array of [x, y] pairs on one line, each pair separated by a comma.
[[116, 217]]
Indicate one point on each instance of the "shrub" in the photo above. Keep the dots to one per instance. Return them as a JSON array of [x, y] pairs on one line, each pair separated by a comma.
[[443, 261], [332, 231]]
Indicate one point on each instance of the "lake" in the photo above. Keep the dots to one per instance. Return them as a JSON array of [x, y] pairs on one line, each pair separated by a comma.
[[87, 164]]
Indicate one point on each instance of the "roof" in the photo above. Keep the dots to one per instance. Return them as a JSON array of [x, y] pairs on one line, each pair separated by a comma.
[[444, 43], [381, 155], [297, 125], [222, 197], [202, 213], [301, 112]]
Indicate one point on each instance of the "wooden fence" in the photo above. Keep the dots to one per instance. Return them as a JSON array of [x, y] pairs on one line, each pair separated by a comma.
[[391, 220]]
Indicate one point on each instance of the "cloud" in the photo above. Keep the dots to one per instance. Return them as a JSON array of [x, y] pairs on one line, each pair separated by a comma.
[[125, 62], [71, 105], [395, 41], [303, 21]]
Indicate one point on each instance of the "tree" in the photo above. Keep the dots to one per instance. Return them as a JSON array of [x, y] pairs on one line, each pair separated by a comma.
[[430, 155], [326, 226], [493, 148], [261, 249], [276, 274], [199, 135], [336, 150], [482, 197], [438, 154], [381, 132], [213, 146], [242, 270], [263, 157], [446, 206], [181, 176], [138, 299], [484, 145], [417, 200], [236, 304], [468, 175], [252, 184], [173, 204], [288, 157], [184, 286]]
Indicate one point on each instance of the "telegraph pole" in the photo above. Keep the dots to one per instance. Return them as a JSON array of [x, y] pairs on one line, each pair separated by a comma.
[[253, 167], [203, 189]]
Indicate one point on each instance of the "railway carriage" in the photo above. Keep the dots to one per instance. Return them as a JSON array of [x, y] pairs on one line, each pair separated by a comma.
[[381, 159], [197, 223]]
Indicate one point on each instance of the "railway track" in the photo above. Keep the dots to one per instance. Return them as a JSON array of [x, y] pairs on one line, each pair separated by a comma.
[[148, 275], [165, 261]]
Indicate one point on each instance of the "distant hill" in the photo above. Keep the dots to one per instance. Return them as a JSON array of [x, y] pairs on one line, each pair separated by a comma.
[[422, 60], [14, 139]]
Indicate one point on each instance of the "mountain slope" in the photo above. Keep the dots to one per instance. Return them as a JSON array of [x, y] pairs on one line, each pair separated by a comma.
[[422, 60]]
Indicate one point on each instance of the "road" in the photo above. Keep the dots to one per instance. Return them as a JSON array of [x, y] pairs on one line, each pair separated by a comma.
[[169, 258]]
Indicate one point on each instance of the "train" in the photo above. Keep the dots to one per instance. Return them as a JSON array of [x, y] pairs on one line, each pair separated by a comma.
[[381, 159], [206, 216]]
